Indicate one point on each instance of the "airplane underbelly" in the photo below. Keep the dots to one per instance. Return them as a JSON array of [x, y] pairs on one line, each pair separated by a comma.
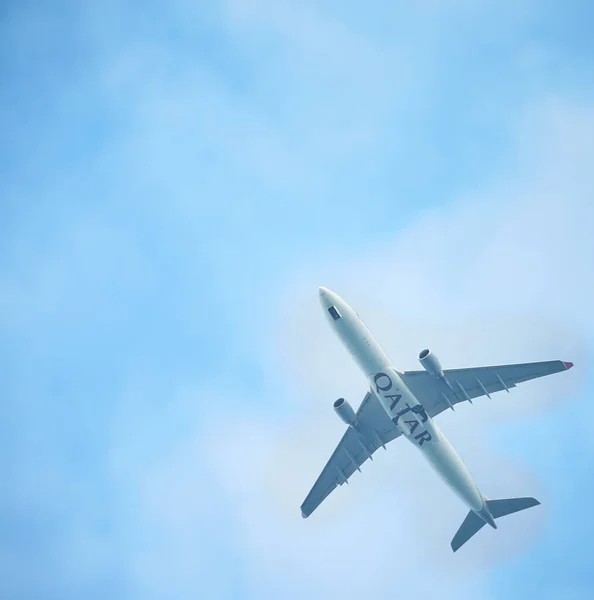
[[409, 416], [445, 460], [361, 344]]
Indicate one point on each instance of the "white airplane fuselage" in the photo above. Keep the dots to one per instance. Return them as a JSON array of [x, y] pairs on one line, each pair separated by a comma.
[[400, 404]]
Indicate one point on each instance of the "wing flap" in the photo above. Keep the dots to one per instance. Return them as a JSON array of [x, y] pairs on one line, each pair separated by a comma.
[[460, 385], [375, 429]]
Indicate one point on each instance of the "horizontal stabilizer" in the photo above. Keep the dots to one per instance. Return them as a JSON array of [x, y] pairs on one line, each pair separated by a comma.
[[473, 523], [500, 508]]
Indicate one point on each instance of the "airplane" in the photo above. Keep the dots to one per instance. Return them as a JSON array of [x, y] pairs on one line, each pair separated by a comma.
[[405, 404]]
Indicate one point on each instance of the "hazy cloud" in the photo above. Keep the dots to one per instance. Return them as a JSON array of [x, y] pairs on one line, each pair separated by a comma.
[[502, 283]]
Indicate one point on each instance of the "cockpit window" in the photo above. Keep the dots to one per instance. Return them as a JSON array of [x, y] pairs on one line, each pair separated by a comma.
[[334, 313]]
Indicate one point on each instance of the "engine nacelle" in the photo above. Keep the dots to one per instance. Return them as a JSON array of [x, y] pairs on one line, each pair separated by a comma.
[[430, 363], [345, 411]]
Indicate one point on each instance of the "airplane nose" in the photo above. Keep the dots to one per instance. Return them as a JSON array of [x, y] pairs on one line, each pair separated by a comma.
[[326, 296]]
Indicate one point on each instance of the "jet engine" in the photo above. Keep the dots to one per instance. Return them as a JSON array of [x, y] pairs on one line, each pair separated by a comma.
[[430, 363], [345, 411]]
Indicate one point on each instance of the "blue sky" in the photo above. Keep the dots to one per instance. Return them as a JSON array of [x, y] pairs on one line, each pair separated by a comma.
[[176, 181]]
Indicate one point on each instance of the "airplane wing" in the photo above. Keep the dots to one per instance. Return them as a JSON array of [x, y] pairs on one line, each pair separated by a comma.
[[459, 385], [375, 429]]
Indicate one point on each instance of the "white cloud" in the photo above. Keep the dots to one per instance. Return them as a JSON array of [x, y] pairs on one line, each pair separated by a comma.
[[498, 277]]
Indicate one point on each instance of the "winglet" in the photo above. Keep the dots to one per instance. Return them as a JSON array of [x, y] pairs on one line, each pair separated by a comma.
[[568, 365]]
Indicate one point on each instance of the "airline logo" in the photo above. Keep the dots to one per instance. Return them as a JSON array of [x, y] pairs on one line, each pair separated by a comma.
[[385, 388]]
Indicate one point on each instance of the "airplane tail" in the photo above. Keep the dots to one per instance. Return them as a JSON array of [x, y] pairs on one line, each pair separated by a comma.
[[473, 523]]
